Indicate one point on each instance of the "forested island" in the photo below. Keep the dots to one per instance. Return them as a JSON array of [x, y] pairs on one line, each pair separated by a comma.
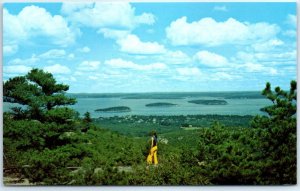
[[114, 109], [209, 102], [160, 104]]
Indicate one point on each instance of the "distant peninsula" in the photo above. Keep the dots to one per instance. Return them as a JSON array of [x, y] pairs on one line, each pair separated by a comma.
[[209, 102], [160, 104], [114, 109]]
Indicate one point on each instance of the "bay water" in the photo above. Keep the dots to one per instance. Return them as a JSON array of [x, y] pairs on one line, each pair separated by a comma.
[[235, 106]]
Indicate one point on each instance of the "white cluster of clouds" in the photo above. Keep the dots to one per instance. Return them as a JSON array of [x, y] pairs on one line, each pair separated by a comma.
[[85, 49], [19, 66], [209, 32], [267, 45], [120, 63], [33, 21], [105, 14], [63, 30], [53, 54], [211, 59], [221, 8], [57, 69], [189, 71], [259, 46], [116, 21], [133, 45], [89, 66], [16, 70], [292, 20]]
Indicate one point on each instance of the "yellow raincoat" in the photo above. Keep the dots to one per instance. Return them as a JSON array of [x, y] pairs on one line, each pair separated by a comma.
[[152, 157]]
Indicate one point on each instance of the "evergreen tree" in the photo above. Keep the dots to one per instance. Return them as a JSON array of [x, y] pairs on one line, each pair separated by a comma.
[[87, 122], [277, 134], [87, 117], [40, 95]]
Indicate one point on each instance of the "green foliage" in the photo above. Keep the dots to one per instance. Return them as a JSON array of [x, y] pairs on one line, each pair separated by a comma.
[[60, 115], [46, 81], [284, 103], [23, 135], [228, 155], [20, 90], [38, 91], [47, 167], [62, 149], [87, 117], [87, 120], [277, 134]]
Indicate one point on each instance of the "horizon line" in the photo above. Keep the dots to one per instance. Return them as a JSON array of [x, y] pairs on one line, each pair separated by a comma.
[[165, 92]]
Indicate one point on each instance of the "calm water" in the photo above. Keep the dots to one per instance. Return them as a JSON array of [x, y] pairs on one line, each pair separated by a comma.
[[234, 107]]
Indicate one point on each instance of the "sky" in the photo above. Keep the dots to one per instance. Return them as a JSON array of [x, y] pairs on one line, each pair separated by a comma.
[[124, 47]]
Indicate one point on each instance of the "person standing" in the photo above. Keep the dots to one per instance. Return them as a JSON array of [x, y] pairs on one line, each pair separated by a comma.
[[152, 157]]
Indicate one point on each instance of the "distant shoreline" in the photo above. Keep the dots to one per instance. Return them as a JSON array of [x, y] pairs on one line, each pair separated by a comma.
[[195, 115], [172, 95]]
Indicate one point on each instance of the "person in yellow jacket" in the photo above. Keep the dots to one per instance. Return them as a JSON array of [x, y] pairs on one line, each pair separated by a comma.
[[152, 156]]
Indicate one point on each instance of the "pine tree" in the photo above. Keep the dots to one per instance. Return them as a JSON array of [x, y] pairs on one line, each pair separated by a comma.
[[277, 133], [41, 96]]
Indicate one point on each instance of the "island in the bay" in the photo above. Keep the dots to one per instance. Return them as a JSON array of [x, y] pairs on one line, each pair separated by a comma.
[[114, 109], [160, 104], [209, 102]]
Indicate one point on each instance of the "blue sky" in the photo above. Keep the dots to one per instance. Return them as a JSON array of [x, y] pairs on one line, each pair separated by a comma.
[[153, 47]]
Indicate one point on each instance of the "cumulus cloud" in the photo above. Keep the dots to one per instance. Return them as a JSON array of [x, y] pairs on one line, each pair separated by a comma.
[[272, 71], [47, 56], [64, 78], [288, 56], [209, 32], [189, 71], [17, 70], [71, 56], [210, 59], [57, 69], [174, 57], [29, 61], [133, 45], [106, 14], [145, 18], [13, 29], [93, 78], [84, 49], [267, 46], [120, 63], [89, 66], [32, 22], [35, 59], [70, 8], [113, 33], [53, 54], [221, 8], [292, 20], [223, 76], [290, 33], [10, 49], [252, 67], [130, 43]]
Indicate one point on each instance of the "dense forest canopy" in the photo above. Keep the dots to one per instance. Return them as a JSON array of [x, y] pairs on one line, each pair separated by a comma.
[[48, 143]]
